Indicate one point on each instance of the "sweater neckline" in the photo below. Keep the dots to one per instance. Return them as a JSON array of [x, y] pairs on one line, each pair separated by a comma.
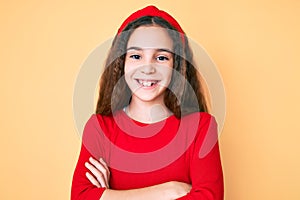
[[164, 120], [139, 129]]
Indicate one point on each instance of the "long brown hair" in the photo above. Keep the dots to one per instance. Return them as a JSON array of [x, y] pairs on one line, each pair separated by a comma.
[[183, 96]]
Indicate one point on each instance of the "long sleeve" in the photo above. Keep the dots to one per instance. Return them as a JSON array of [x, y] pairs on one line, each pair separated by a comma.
[[82, 188], [205, 164], [201, 163]]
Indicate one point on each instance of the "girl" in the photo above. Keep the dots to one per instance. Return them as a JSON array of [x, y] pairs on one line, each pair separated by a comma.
[[151, 136]]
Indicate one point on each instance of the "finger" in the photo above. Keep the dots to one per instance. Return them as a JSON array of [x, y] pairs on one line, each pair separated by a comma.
[[92, 180], [107, 170], [105, 165], [97, 174], [102, 167]]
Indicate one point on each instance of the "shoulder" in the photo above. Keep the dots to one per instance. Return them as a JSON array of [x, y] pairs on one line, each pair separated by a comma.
[[103, 118], [207, 133], [98, 127], [106, 122], [207, 122], [204, 124], [98, 122], [99, 119], [198, 122], [207, 119], [201, 118]]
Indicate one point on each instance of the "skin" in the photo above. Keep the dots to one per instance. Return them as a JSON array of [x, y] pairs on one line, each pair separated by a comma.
[[147, 60], [166, 191]]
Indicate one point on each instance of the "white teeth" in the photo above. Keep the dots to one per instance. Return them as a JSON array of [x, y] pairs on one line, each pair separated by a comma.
[[147, 83]]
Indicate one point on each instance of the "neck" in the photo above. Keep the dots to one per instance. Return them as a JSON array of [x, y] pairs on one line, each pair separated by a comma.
[[147, 112]]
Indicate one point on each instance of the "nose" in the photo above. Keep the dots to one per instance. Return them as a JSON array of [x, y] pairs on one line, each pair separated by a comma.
[[148, 69], [148, 63]]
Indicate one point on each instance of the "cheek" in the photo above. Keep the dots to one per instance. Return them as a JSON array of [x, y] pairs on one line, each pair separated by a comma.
[[128, 67], [167, 74], [168, 71], [169, 77], [128, 71], [125, 67]]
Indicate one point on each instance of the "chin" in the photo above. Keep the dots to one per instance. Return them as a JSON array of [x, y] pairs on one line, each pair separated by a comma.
[[149, 98]]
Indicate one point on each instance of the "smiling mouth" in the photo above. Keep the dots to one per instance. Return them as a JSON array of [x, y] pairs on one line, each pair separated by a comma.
[[147, 83]]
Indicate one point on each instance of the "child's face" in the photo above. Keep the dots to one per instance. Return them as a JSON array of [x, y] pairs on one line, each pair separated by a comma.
[[149, 63]]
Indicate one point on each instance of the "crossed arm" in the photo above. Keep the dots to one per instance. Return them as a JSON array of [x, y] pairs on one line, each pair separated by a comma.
[[91, 177], [99, 175], [91, 182]]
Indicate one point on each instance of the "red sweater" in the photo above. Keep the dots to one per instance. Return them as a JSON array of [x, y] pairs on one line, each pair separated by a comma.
[[141, 155]]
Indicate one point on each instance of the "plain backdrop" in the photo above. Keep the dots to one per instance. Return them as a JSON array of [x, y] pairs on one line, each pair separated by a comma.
[[254, 43]]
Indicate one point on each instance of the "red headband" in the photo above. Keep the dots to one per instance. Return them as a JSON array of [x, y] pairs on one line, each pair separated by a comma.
[[152, 11]]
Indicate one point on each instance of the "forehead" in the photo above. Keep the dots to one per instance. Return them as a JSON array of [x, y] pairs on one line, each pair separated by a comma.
[[150, 37]]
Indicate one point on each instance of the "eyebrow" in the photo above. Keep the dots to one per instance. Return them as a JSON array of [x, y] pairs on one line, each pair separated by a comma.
[[157, 49]]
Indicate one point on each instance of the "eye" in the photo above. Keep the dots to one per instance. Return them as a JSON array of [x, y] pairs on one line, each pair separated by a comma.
[[162, 58], [134, 56]]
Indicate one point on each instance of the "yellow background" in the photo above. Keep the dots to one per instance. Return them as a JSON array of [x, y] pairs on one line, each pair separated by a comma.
[[255, 44]]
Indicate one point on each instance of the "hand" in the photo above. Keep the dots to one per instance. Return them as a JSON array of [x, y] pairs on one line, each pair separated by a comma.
[[179, 189], [99, 174]]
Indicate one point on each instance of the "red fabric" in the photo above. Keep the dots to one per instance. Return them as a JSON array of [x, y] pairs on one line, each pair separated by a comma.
[[82, 189], [198, 165], [151, 11]]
